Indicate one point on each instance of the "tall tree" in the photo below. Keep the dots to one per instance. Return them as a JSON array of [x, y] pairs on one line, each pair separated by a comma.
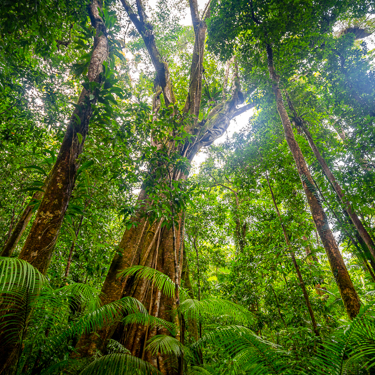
[[40, 242], [148, 242], [261, 25]]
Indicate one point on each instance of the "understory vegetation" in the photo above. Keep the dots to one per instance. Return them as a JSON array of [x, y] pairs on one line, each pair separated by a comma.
[[187, 187]]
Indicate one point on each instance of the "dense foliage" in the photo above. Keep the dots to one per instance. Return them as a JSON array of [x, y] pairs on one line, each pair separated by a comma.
[[119, 254]]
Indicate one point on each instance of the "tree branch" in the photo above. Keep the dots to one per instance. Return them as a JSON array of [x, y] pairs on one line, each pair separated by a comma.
[[145, 29], [194, 12]]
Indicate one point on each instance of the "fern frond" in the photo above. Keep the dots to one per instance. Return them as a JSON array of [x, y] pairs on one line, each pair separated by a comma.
[[151, 321], [19, 274], [215, 307], [165, 345], [99, 318], [252, 353], [114, 346], [161, 280], [119, 364]]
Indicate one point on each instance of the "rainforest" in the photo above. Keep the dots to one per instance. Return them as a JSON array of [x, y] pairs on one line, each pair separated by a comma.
[[187, 187]]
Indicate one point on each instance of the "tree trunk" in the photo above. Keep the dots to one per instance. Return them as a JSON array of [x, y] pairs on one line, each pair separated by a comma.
[[147, 244], [22, 222], [349, 209], [150, 244], [363, 253], [348, 293], [295, 264], [40, 242]]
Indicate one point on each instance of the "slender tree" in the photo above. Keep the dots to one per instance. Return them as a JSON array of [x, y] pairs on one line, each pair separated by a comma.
[[346, 287], [295, 264]]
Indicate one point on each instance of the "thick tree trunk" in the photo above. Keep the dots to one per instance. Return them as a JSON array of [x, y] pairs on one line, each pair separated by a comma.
[[150, 244], [22, 222], [348, 293], [331, 178], [40, 242], [147, 244], [295, 264]]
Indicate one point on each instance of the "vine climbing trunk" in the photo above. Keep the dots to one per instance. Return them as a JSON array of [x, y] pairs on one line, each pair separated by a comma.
[[345, 285]]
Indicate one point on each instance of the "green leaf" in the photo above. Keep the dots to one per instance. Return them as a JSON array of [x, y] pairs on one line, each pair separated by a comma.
[[84, 166], [37, 168], [161, 281], [80, 137]]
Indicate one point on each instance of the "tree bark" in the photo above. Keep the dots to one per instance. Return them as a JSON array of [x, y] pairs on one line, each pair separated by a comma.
[[150, 244], [343, 200], [348, 293], [40, 242], [362, 250], [295, 264]]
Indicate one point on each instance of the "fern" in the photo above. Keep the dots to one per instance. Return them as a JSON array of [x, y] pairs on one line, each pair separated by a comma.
[[215, 307], [250, 353], [149, 320], [123, 364], [161, 281], [165, 345]]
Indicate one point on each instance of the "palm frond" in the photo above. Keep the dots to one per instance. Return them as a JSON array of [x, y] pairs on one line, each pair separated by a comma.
[[114, 346], [352, 343], [97, 319], [119, 364], [197, 370], [165, 345], [161, 280], [215, 307], [20, 287], [62, 365], [151, 321], [250, 352], [79, 293], [19, 274]]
